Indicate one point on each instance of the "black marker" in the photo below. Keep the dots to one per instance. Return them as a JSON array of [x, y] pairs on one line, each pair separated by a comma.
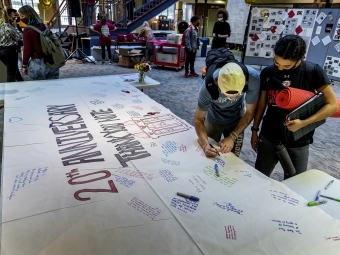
[[214, 148]]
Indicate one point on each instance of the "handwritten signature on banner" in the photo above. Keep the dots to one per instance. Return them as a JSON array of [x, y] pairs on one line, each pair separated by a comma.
[[184, 205], [223, 179], [124, 181], [19, 98], [25, 178], [198, 183], [134, 173], [118, 106], [77, 179], [230, 232], [96, 101], [288, 226], [219, 161], [167, 175], [169, 148], [99, 83], [244, 172], [98, 95], [133, 113], [34, 90], [228, 207], [171, 162], [144, 208], [280, 196], [335, 238], [14, 119]]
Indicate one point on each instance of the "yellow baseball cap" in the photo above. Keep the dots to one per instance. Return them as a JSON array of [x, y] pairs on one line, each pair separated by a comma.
[[231, 79]]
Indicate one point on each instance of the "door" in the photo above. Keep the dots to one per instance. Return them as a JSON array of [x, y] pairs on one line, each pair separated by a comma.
[[211, 21]]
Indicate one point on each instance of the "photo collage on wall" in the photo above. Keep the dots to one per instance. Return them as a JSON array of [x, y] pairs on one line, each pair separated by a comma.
[[266, 25], [301, 22], [332, 66], [336, 35]]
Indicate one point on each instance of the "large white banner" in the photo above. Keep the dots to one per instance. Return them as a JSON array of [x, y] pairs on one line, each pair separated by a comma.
[[93, 166]]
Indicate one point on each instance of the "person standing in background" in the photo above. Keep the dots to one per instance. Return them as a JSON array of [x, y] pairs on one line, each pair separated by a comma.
[[33, 63], [9, 36], [148, 35], [130, 7], [103, 28], [191, 46], [89, 9], [221, 30], [13, 15]]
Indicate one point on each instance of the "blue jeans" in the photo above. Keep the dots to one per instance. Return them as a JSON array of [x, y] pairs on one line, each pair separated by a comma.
[[215, 132], [267, 159]]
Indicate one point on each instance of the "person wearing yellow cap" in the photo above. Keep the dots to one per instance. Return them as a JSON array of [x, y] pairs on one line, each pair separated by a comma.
[[232, 110]]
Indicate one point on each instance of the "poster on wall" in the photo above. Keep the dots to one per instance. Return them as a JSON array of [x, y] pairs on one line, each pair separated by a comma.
[[301, 22], [266, 25], [336, 35], [238, 15], [332, 66]]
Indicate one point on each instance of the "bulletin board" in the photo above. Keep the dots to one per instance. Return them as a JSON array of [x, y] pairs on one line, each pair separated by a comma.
[[331, 54], [320, 28]]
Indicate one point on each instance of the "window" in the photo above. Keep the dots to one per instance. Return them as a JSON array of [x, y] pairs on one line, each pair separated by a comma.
[[16, 4]]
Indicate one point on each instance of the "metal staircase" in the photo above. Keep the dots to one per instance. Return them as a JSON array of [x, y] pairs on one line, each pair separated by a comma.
[[146, 12]]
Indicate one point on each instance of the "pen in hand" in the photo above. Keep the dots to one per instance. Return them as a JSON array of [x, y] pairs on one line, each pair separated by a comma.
[[214, 148]]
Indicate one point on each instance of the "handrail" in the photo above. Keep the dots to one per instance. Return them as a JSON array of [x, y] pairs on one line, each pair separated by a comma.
[[57, 13]]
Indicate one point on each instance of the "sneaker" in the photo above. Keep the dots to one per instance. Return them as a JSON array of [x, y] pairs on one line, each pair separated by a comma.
[[186, 75], [194, 74], [110, 62]]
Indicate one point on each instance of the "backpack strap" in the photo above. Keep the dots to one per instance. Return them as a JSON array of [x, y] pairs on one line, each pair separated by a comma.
[[34, 28]]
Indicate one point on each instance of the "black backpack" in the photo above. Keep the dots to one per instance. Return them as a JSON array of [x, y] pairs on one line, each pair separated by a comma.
[[216, 58]]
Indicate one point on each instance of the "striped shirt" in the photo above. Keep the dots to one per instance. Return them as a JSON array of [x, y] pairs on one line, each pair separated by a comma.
[[9, 35]]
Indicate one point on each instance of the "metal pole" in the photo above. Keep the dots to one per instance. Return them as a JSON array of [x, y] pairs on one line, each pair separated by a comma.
[[196, 7], [204, 16]]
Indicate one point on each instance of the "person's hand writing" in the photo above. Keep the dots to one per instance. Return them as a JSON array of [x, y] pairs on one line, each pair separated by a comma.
[[226, 144], [210, 152], [294, 125]]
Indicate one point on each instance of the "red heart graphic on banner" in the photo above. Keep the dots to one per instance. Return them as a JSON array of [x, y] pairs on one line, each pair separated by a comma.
[[298, 30], [291, 14], [255, 38], [273, 29]]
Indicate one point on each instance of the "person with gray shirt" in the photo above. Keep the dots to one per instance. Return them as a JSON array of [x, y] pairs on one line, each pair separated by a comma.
[[191, 46], [231, 113]]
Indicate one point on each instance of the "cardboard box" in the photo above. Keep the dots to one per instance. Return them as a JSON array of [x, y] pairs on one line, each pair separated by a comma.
[[126, 61]]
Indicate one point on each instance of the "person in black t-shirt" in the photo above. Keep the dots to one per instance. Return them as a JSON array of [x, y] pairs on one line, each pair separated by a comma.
[[289, 69], [221, 30]]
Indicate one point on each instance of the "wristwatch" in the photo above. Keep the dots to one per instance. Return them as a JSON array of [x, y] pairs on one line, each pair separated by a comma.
[[254, 129]]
